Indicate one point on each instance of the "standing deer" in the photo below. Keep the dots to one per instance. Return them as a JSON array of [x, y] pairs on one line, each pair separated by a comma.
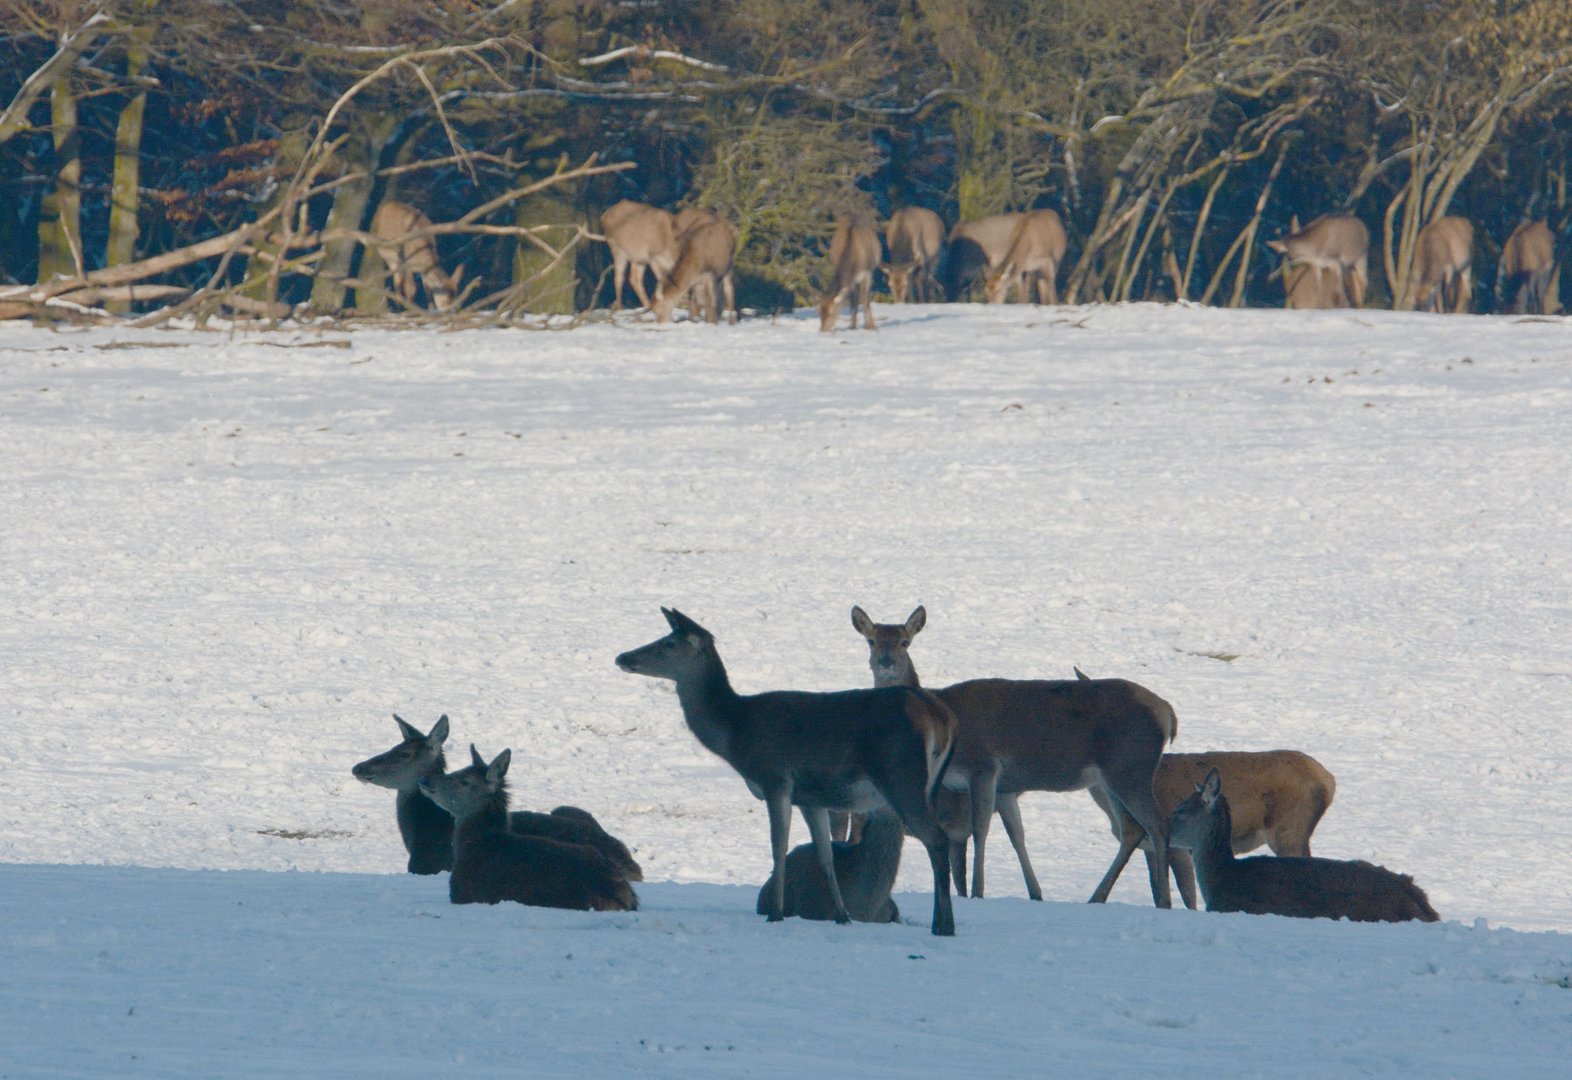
[[854, 254], [641, 237], [1039, 735], [1303, 887], [1445, 252], [492, 864], [855, 750], [1034, 254], [1333, 242], [865, 871], [404, 240], [1528, 259], [915, 235], [975, 248], [706, 250]]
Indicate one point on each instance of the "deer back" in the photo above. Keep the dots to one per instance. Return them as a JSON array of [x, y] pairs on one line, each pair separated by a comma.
[[915, 235], [1445, 247], [1275, 797], [641, 233], [1329, 240], [1529, 250], [491, 864]]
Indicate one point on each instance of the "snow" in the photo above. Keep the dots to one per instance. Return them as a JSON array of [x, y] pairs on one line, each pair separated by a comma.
[[229, 557]]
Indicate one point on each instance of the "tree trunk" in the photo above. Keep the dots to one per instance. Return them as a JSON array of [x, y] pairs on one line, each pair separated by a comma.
[[123, 199], [552, 292], [360, 153], [60, 214]]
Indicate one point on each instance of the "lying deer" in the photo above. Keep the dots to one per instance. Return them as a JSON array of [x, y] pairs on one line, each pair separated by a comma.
[[1528, 259], [1305, 887], [854, 254], [975, 248], [427, 829], [855, 750], [865, 871], [1445, 251], [403, 239], [492, 864], [915, 235], [1034, 255], [641, 237], [706, 250], [1332, 242], [1038, 735]]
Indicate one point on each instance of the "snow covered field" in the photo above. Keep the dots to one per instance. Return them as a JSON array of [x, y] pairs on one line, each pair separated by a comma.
[[227, 560]]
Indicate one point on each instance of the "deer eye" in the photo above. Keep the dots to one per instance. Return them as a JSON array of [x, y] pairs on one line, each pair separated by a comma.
[[906, 643]]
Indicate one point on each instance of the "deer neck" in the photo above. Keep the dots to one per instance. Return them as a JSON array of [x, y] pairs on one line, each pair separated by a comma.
[[1214, 859], [492, 814], [710, 705], [906, 678]]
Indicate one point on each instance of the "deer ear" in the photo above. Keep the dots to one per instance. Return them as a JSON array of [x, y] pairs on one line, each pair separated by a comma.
[[1081, 675], [439, 731], [684, 625], [498, 769], [1211, 787], [916, 621], [475, 758], [408, 731], [861, 621]]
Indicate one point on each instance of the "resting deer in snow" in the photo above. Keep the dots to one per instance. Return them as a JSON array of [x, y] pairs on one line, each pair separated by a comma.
[[854, 254], [865, 871], [1333, 242], [1528, 259], [975, 248], [706, 250], [407, 247], [1039, 735], [915, 235], [427, 829], [1445, 251], [492, 864], [641, 237], [855, 750], [1034, 255], [1304, 887]]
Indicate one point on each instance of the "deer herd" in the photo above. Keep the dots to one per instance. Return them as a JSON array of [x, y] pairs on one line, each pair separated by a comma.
[[868, 767]]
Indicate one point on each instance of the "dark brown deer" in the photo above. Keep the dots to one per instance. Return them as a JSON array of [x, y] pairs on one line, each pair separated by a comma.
[[407, 246], [865, 871], [1442, 260], [706, 249], [1034, 255], [1305, 887], [1039, 735], [641, 237], [855, 750], [1333, 242], [492, 864], [975, 248], [915, 235], [854, 255], [1528, 259]]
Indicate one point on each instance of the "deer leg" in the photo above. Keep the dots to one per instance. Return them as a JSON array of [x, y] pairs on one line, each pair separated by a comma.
[[1132, 792], [1010, 813], [636, 279], [619, 274], [958, 864], [819, 826], [909, 801], [779, 803], [840, 824], [984, 791], [1130, 836], [867, 304], [1184, 875]]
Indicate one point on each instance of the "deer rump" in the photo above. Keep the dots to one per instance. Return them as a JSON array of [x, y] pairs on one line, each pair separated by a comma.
[[492, 864]]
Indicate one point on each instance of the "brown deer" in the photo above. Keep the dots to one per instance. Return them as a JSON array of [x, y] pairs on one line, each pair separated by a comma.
[[1442, 274], [1303, 887], [427, 829], [1034, 255], [855, 750], [915, 235], [1039, 735], [854, 254], [1311, 288], [641, 237], [975, 248], [1333, 242], [404, 240], [865, 871], [492, 864], [706, 250], [1528, 259]]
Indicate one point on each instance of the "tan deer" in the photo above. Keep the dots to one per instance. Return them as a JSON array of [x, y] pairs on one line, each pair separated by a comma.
[[1528, 259], [1302, 887], [641, 238], [856, 750], [865, 871], [854, 255], [1442, 265], [403, 239], [915, 236], [1039, 735], [1311, 288], [1034, 255], [706, 250], [975, 248], [1332, 242]]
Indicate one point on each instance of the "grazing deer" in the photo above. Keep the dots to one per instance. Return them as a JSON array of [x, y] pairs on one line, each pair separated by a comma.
[[915, 235], [854, 253], [1444, 280], [427, 829], [641, 237], [1039, 735], [492, 864], [1034, 254], [975, 248], [407, 247], [855, 750], [706, 249], [1333, 242], [1528, 259], [1311, 288], [1303, 887], [865, 871]]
